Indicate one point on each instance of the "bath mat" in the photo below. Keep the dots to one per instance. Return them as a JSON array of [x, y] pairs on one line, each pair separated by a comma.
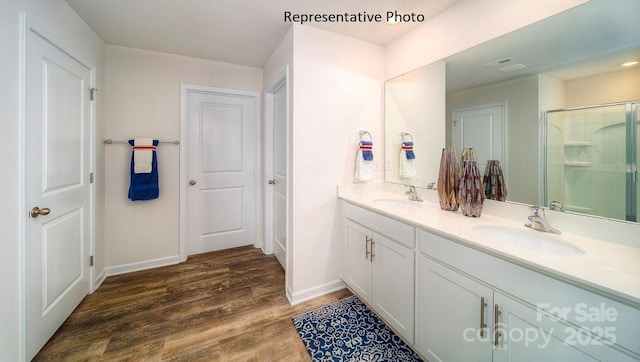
[[348, 330]]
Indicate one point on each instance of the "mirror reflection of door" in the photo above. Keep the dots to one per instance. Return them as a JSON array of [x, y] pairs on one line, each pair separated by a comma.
[[482, 128]]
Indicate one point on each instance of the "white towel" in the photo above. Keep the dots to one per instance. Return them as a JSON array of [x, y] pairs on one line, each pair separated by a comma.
[[142, 156], [364, 168], [407, 167]]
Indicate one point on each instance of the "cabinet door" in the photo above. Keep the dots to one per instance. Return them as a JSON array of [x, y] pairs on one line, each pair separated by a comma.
[[453, 314], [528, 334], [356, 262], [393, 284]]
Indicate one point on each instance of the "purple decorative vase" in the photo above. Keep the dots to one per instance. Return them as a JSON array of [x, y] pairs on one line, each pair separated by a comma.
[[494, 185], [470, 190], [448, 179]]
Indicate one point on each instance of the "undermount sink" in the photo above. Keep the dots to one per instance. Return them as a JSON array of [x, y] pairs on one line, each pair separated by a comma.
[[398, 203], [531, 240]]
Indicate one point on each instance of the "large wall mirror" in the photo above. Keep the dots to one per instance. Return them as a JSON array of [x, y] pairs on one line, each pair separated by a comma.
[[499, 94]]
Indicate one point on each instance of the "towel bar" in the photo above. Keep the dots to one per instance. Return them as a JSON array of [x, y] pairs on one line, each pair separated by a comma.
[[363, 133], [109, 141], [405, 134]]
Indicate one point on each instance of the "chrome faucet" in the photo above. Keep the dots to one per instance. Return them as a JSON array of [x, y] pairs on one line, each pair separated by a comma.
[[537, 221], [413, 194], [556, 205]]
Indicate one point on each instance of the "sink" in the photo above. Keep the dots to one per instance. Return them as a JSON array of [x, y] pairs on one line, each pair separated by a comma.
[[530, 240], [399, 203]]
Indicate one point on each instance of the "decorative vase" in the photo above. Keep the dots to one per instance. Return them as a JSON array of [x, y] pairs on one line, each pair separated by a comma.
[[448, 179], [470, 190], [494, 185], [468, 154]]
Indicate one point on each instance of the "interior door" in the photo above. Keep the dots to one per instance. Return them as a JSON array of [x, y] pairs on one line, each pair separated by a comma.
[[57, 183], [279, 180], [483, 129], [222, 144]]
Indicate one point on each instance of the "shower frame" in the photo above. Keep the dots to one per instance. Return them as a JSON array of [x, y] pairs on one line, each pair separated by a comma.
[[632, 108]]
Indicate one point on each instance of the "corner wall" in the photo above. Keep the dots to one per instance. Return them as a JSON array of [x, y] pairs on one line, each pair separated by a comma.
[[337, 92], [143, 100]]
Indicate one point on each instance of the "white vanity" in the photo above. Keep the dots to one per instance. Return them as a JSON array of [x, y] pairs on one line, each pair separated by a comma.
[[489, 289]]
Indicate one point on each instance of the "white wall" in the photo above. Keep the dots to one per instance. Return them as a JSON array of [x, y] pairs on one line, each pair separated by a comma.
[[465, 24], [622, 85], [337, 92], [143, 99], [63, 23]]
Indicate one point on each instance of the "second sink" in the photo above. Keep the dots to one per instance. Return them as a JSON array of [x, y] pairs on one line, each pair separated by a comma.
[[527, 239]]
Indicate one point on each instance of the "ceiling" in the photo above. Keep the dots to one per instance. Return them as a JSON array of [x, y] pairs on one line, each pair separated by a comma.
[[593, 38], [244, 32]]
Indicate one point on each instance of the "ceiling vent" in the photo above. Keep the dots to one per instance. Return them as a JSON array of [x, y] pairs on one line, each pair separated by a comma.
[[498, 62], [512, 67]]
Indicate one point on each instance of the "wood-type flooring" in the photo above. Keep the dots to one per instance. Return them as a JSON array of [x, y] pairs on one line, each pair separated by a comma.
[[222, 306]]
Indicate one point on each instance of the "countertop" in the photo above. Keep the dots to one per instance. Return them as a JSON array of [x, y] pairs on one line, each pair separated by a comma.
[[609, 268]]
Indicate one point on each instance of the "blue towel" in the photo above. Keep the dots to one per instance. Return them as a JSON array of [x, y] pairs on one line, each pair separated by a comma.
[[367, 152], [144, 186], [408, 147]]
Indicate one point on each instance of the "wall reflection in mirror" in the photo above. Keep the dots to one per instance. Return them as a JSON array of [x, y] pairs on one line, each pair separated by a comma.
[[498, 94]]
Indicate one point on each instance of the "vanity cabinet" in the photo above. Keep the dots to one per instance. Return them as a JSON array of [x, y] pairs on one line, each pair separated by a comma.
[[471, 306], [378, 259]]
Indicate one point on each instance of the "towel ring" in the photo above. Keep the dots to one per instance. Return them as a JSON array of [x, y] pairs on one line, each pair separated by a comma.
[[405, 134], [365, 133]]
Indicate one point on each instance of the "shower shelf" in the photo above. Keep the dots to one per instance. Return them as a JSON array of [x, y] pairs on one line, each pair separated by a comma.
[[578, 144], [578, 164]]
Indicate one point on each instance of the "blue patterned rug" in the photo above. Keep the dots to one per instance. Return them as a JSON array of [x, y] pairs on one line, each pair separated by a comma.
[[348, 331]]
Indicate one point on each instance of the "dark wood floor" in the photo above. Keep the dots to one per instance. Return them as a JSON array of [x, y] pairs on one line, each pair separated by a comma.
[[222, 306]]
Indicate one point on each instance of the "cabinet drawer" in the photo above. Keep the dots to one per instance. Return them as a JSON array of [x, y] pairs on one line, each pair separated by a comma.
[[394, 229], [572, 304]]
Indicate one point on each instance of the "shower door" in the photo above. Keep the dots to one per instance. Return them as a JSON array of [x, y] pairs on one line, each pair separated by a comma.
[[590, 161]]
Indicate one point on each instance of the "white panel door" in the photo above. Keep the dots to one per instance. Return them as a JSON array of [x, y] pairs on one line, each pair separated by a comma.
[[481, 128], [222, 200], [356, 260], [279, 180], [58, 164]]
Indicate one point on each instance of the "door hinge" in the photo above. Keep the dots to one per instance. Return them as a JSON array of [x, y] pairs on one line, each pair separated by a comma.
[[92, 93], [90, 177], [91, 260]]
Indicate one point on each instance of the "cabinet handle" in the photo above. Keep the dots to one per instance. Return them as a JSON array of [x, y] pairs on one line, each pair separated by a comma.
[[372, 253], [483, 325], [366, 247], [496, 328]]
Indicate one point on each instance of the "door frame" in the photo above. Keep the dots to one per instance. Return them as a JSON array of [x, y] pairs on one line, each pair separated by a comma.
[[27, 26], [185, 89]]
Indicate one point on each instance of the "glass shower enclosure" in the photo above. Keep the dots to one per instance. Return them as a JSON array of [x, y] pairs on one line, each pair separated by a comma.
[[590, 159]]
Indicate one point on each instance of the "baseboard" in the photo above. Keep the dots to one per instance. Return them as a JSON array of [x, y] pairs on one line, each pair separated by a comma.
[[313, 292], [143, 265], [99, 279]]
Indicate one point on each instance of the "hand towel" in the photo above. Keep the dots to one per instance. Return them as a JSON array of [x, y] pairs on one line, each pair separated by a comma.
[[407, 165], [364, 161], [143, 150], [144, 186]]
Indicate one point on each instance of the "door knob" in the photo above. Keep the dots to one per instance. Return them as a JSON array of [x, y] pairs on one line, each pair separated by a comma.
[[272, 182], [192, 182], [36, 211]]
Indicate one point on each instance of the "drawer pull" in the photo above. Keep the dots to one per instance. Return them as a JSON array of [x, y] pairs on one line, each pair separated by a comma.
[[496, 327], [483, 325]]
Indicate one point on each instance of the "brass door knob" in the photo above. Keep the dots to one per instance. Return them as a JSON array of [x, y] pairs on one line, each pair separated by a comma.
[[192, 182], [272, 182], [36, 211]]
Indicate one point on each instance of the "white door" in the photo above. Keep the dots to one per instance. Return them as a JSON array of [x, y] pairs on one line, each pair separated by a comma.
[[222, 169], [57, 182], [279, 180], [482, 128]]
